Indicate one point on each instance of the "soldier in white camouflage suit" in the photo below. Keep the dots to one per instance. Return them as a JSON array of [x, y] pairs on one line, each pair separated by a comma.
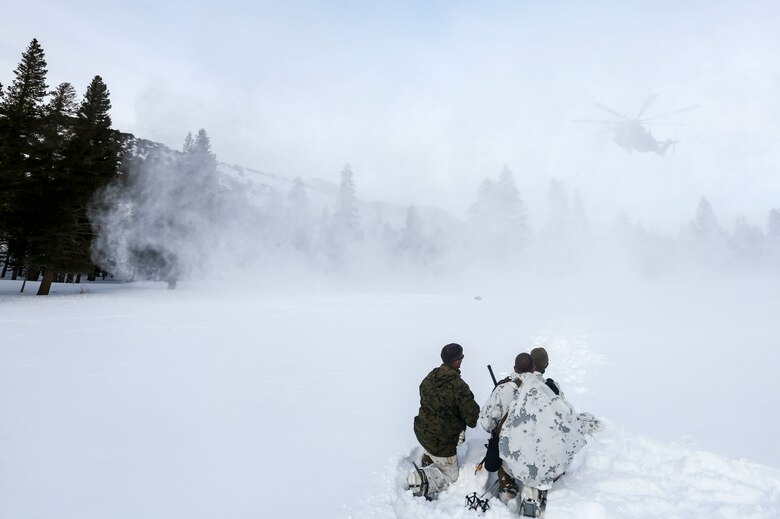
[[538, 431], [494, 412], [539, 438]]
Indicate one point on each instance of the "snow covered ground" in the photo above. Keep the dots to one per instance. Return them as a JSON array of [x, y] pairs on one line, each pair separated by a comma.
[[131, 401]]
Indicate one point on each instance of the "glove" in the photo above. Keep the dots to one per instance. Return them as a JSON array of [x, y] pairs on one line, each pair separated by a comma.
[[589, 424], [462, 437]]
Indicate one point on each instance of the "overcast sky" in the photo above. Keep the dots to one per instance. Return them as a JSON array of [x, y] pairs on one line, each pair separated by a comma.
[[425, 99]]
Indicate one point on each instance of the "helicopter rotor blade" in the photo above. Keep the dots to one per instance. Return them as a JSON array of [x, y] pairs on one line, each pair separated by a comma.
[[650, 100], [664, 124], [610, 110], [594, 121], [669, 113]]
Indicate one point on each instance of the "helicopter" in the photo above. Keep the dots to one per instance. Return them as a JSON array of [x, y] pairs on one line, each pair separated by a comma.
[[630, 133]]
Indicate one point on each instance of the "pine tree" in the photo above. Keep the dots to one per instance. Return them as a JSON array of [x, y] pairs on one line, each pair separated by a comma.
[[202, 144], [91, 162], [706, 239], [511, 206], [198, 170], [188, 143], [499, 207], [61, 109], [23, 157], [23, 102], [706, 223], [346, 217], [412, 242], [198, 167], [482, 210], [59, 114], [498, 217], [50, 234]]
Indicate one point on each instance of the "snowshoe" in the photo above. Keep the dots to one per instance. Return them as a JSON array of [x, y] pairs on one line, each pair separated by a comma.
[[482, 502], [417, 482], [532, 502], [478, 503], [530, 508]]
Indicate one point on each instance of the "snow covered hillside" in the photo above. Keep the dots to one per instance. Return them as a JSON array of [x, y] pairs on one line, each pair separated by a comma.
[[131, 401]]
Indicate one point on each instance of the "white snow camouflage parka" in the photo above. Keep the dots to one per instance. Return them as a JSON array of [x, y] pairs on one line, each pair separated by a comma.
[[498, 404], [541, 434]]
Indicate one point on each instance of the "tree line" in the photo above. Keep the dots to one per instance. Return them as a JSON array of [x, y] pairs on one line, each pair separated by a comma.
[[55, 152]]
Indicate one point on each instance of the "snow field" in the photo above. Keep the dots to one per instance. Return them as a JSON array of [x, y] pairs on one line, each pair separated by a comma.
[[133, 401]]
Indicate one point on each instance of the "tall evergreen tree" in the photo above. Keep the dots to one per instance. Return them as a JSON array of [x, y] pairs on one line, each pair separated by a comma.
[[198, 174], [481, 211], [499, 208], [50, 234], [346, 217], [23, 157], [188, 143], [59, 115], [512, 206], [23, 102], [91, 161], [202, 144], [412, 239], [706, 223], [497, 218], [706, 240]]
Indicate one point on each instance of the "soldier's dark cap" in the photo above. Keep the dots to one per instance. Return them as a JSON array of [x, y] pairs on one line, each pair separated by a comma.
[[451, 352], [524, 363], [541, 360]]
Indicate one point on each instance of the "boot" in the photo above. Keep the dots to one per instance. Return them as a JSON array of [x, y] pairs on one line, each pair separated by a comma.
[[417, 482], [530, 502], [507, 488]]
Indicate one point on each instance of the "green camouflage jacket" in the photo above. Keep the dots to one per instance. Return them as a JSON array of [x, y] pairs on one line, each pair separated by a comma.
[[447, 406]]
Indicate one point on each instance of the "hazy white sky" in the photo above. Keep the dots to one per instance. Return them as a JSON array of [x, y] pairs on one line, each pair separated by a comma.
[[425, 99]]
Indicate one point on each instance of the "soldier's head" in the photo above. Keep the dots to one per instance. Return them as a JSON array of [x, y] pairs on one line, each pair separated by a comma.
[[524, 364], [540, 358], [452, 355]]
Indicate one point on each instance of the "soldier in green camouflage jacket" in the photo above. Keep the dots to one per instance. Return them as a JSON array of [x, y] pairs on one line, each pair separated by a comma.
[[447, 407]]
